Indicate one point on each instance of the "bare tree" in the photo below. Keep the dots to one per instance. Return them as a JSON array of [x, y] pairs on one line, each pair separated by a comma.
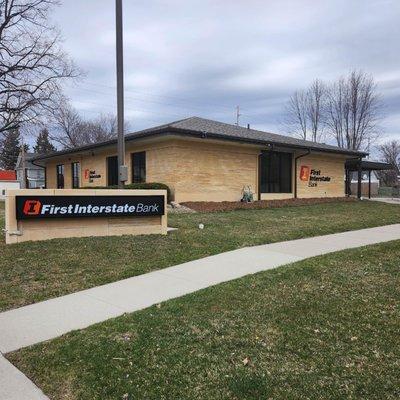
[[305, 112], [105, 127], [67, 123], [71, 130], [296, 114], [336, 110], [354, 111], [390, 153], [32, 62], [316, 99]]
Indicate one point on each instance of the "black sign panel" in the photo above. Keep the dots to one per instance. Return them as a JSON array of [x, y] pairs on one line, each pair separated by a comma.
[[39, 207]]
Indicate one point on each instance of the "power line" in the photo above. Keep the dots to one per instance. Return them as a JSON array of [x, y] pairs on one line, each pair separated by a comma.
[[181, 99], [112, 109], [141, 100], [184, 99]]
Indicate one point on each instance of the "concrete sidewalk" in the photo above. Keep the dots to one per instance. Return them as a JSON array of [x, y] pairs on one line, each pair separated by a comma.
[[389, 200], [46, 320], [14, 385]]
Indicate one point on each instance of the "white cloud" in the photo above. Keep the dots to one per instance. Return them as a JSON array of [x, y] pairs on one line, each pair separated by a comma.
[[204, 56]]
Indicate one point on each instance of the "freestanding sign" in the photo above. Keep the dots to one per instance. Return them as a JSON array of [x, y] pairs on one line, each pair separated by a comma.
[[57, 213], [40, 207]]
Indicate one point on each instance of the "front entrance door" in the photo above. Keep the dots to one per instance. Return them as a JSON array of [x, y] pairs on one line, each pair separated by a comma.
[[112, 171]]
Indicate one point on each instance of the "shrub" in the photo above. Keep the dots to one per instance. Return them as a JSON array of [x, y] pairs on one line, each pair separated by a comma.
[[150, 186]]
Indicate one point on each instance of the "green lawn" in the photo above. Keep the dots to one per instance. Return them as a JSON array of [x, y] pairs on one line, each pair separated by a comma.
[[324, 328], [31, 272]]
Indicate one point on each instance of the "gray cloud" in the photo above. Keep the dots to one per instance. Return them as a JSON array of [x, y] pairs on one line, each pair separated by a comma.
[[203, 58]]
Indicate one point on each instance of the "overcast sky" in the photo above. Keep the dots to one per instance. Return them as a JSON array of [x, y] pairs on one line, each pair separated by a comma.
[[204, 58]]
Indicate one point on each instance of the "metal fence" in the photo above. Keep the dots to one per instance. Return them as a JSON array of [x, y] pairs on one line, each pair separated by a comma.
[[389, 191]]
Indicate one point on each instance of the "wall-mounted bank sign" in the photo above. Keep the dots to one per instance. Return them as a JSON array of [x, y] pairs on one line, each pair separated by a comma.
[[312, 176], [304, 173], [91, 175], [39, 207]]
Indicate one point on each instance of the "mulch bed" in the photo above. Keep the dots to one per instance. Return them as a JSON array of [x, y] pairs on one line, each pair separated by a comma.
[[210, 206]]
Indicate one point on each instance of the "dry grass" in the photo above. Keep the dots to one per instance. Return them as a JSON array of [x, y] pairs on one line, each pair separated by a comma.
[[324, 328], [32, 272]]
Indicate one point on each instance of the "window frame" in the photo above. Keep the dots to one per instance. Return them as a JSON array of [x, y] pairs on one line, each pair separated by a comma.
[[274, 178], [76, 177], [141, 176], [60, 185]]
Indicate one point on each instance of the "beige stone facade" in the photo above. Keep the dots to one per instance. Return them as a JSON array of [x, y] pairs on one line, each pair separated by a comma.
[[205, 170], [18, 231], [330, 166]]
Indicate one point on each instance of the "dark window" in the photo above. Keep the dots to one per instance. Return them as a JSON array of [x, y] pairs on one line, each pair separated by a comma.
[[60, 176], [139, 167], [112, 171], [75, 172], [276, 172]]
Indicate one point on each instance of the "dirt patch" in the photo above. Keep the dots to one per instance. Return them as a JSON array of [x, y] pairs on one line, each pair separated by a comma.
[[210, 206], [179, 209]]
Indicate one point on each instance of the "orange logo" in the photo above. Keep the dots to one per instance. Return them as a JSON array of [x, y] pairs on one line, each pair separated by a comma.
[[87, 174], [304, 173], [32, 207]]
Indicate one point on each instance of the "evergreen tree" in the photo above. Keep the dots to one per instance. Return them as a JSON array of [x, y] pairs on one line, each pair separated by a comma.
[[43, 144], [11, 146]]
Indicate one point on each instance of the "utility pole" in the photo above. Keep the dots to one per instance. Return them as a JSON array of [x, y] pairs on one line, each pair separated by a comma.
[[238, 115], [122, 169]]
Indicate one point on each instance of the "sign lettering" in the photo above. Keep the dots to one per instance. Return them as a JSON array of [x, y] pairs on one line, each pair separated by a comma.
[[312, 176], [40, 207], [91, 174]]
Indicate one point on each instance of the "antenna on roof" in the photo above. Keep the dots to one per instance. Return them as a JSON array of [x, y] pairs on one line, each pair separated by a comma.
[[238, 115]]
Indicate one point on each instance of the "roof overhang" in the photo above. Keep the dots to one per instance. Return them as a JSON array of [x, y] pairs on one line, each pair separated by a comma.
[[204, 135], [366, 165]]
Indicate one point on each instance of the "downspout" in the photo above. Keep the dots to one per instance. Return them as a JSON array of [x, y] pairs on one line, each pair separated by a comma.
[[295, 171]]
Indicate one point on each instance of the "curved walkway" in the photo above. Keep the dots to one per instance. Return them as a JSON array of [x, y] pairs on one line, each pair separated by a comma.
[[36, 323]]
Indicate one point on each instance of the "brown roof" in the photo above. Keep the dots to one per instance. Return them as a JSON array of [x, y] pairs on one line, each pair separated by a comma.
[[206, 128]]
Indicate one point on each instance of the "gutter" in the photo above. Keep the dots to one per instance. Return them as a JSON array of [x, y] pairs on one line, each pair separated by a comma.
[[37, 165], [197, 134], [261, 142], [45, 171], [295, 170]]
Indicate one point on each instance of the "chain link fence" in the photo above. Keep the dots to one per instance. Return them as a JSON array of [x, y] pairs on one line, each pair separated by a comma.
[[392, 192]]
